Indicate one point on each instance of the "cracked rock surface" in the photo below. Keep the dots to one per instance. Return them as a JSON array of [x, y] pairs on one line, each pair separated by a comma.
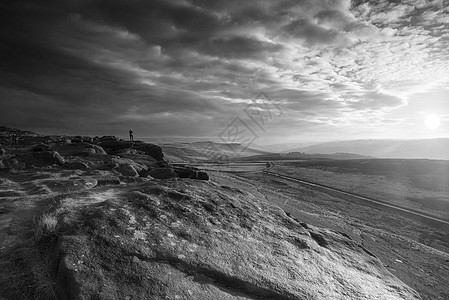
[[185, 239], [123, 223]]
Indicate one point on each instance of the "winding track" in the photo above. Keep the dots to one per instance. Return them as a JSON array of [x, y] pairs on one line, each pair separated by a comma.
[[360, 197], [269, 165]]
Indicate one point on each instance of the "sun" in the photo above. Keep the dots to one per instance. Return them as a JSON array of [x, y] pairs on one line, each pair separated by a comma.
[[432, 121]]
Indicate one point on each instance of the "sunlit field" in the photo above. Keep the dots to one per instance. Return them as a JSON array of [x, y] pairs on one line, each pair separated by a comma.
[[421, 185]]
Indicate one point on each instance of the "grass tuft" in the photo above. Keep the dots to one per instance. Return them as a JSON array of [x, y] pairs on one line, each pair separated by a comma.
[[29, 270], [45, 225]]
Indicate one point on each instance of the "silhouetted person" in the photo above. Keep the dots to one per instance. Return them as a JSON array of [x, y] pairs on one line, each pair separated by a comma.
[[131, 136]]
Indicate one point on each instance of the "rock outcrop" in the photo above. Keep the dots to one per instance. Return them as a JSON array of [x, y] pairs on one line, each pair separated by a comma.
[[162, 173], [121, 222], [80, 149], [192, 173], [108, 153], [33, 159], [201, 241]]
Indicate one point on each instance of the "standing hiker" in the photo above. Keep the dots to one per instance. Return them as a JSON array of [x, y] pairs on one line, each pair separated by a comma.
[[131, 136]]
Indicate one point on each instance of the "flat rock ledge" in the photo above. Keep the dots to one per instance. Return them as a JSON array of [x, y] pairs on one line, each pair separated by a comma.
[[183, 239]]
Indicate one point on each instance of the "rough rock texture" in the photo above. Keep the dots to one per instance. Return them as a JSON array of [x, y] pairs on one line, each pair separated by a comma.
[[128, 170], [119, 236], [114, 147], [191, 173], [162, 173], [203, 241], [128, 162], [41, 159], [80, 149]]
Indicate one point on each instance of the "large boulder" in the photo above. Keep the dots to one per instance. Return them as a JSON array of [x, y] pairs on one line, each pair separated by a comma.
[[80, 149], [201, 175], [163, 173], [128, 170], [114, 147], [192, 173], [126, 161], [41, 159], [199, 241], [151, 150]]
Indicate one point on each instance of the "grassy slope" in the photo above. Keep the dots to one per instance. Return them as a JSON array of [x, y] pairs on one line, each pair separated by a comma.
[[422, 185], [413, 249]]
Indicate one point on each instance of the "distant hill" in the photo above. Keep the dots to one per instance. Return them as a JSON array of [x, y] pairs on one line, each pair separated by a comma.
[[303, 156], [424, 148], [281, 147], [207, 151]]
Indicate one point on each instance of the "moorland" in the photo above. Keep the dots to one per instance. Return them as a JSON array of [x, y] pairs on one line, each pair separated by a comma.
[[104, 218]]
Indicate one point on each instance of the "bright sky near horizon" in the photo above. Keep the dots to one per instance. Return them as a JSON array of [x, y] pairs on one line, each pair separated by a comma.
[[329, 69]]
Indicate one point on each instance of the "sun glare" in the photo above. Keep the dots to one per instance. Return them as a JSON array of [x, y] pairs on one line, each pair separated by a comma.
[[432, 121]]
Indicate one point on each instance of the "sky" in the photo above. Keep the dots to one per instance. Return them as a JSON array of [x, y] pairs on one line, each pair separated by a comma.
[[234, 71]]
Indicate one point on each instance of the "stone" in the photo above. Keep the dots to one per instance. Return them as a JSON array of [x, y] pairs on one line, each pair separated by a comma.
[[163, 173], [99, 150], [151, 150], [192, 173], [2, 152], [186, 172], [201, 175], [41, 159], [128, 170], [115, 146], [206, 243], [80, 149]]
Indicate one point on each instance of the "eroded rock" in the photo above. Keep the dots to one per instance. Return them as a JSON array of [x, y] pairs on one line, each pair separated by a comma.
[[80, 149], [41, 159], [128, 170], [192, 173], [191, 241], [163, 173]]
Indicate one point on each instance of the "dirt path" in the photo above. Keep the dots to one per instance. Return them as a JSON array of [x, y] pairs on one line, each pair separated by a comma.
[[355, 196]]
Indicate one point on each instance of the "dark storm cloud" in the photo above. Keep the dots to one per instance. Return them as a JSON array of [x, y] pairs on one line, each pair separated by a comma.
[[311, 32], [75, 67], [193, 62], [239, 47]]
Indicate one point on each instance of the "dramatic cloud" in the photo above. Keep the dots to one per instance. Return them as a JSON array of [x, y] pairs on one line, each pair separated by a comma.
[[190, 67]]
